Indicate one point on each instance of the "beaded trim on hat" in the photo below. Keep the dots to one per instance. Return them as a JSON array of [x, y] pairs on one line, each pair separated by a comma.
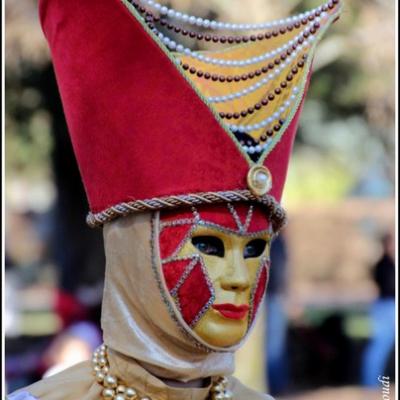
[[257, 105]]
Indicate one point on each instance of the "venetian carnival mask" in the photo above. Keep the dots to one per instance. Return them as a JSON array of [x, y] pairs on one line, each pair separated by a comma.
[[215, 264]]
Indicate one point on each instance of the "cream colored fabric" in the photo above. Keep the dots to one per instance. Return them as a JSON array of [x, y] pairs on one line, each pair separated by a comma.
[[135, 319], [144, 340], [77, 383]]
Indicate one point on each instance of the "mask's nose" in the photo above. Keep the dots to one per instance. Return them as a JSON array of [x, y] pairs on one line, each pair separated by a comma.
[[236, 276]]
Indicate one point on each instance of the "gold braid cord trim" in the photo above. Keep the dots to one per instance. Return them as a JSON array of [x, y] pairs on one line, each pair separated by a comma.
[[274, 210]]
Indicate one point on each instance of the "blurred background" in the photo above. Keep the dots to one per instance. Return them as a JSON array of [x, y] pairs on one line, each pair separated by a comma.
[[334, 274]]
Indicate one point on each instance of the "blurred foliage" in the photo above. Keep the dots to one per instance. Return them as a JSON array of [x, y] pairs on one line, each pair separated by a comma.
[[347, 127]]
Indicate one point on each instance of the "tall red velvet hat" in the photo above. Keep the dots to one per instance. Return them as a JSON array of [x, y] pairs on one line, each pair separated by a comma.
[[155, 124]]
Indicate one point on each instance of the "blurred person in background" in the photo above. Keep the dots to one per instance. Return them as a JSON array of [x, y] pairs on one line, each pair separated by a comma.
[[382, 315], [78, 336], [277, 365]]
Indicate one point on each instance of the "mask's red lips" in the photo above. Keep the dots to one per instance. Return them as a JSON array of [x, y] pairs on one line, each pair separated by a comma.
[[231, 310]]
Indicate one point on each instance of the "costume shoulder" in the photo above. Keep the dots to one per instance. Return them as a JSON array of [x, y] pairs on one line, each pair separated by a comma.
[[74, 383], [242, 392]]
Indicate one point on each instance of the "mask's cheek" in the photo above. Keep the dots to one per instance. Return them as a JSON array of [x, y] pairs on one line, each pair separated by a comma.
[[189, 285], [259, 289]]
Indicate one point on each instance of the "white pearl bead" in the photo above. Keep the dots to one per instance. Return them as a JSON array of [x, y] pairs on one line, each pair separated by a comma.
[[130, 393], [192, 20], [108, 394], [102, 361], [163, 10], [199, 21], [110, 381], [99, 377], [105, 370], [261, 178]]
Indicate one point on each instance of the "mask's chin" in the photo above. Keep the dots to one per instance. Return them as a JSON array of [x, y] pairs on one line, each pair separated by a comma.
[[219, 331]]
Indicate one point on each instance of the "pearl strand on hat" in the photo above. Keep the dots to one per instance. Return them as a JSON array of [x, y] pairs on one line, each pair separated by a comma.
[[114, 390], [151, 19], [265, 122], [259, 84], [211, 24], [172, 45]]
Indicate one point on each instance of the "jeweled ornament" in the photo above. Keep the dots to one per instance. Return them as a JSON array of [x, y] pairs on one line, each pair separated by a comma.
[[259, 180]]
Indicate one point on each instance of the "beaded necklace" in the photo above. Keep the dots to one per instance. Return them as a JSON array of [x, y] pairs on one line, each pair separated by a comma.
[[113, 389]]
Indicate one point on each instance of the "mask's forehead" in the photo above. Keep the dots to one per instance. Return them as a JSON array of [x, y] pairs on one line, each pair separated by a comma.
[[242, 218]]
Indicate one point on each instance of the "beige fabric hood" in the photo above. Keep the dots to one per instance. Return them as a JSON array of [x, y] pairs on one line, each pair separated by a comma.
[[135, 319]]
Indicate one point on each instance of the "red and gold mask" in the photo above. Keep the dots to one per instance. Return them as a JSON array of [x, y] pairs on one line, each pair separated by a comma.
[[215, 264]]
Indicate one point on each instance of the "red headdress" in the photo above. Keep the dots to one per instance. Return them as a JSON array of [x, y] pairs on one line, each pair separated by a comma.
[[154, 128]]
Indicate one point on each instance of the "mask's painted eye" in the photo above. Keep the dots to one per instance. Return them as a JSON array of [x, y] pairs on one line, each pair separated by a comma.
[[254, 248], [209, 245]]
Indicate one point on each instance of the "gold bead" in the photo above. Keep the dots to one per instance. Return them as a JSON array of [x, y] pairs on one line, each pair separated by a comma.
[[110, 381], [108, 393], [96, 369], [105, 370], [131, 394], [121, 389], [99, 377], [102, 361]]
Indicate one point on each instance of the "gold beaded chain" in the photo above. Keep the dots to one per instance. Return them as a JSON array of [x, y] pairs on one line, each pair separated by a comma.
[[115, 390]]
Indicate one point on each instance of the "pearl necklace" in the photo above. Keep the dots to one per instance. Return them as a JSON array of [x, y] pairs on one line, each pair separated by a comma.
[[115, 390], [211, 24]]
